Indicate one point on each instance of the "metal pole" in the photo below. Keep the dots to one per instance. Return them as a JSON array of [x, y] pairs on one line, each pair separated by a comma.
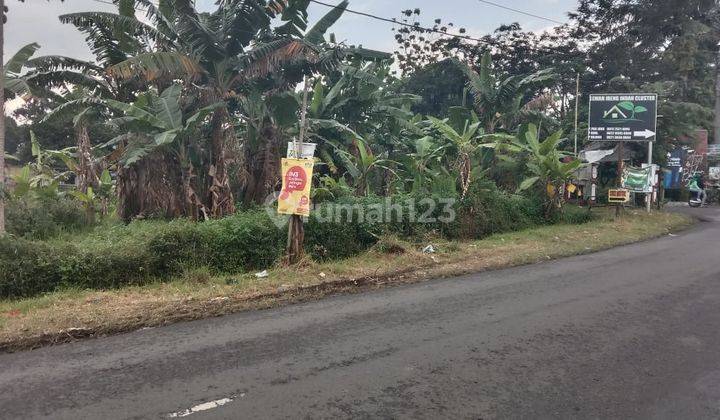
[[652, 187], [577, 108], [621, 157]]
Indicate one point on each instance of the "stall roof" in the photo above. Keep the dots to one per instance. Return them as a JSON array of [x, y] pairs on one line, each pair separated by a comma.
[[603, 152]]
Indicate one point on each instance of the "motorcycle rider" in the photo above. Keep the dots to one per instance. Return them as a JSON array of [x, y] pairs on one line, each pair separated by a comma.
[[697, 186], [702, 194]]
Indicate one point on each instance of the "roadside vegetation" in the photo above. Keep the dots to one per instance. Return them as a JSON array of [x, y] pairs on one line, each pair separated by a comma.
[[198, 293], [148, 170]]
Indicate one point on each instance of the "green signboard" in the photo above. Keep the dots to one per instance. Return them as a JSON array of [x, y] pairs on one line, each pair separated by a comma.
[[638, 179]]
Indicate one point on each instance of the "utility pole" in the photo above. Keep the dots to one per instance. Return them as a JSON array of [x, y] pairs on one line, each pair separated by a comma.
[[577, 108], [296, 229], [716, 122], [2, 118]]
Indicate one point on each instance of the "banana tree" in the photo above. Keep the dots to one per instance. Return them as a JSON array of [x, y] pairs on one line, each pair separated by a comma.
[[226, 52], [465, 142], [499, 99], [268, 123], [42, 175], [549, 167], [15, 81], [156, 126], [424, 163], [356, 103], [362, 166]]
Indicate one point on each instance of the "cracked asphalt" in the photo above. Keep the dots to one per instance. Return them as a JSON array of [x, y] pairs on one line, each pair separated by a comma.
[[632, 332]]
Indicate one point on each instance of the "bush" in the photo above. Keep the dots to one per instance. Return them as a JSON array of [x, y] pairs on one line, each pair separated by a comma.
[[28, 268], [487, 210], [43, 217], [244, 241], [574, 215], [177, 246], [118, 255]]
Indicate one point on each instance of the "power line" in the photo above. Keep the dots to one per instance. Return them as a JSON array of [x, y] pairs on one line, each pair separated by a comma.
[[105, 2], [521, 12], [433, 30], [396, 22]]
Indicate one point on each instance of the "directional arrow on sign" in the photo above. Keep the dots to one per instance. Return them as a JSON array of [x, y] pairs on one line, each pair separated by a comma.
[[644, 134]]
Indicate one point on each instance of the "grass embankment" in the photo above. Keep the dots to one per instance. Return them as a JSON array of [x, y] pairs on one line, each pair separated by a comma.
[[71, 314]]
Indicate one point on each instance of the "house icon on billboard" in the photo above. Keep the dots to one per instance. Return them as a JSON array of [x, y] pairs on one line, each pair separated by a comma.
[[615, 113]]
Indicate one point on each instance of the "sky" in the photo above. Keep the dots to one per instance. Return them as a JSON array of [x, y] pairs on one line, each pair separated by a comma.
[[37, 20]]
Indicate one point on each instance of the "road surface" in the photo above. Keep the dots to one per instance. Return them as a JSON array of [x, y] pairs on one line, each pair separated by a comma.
[[632, 332]]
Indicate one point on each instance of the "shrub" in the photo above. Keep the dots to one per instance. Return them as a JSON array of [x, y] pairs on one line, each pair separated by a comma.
[[389, 244], [243, 241], [487, 210], [28, 268], [117, 255], [177, 246], [575, 215], [43, 217]]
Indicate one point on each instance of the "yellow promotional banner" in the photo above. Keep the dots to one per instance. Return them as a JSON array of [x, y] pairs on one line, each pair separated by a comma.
[[296, 182]]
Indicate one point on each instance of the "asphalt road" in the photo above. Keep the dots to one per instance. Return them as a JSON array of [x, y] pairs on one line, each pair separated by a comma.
[[629, 333]]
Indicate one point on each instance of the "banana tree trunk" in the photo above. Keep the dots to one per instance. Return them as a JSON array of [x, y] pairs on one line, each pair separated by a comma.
[[263, 166], [465, 174], [152, 187], [194, 207], [221, 198], [86, 173]]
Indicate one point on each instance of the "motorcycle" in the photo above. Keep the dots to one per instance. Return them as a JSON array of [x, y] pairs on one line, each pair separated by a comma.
[[695, 202]]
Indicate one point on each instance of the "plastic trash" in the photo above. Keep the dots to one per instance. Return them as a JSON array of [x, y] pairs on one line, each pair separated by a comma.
[[429, 249]]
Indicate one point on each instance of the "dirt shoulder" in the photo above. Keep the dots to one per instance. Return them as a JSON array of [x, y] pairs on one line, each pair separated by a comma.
[[73, 314]]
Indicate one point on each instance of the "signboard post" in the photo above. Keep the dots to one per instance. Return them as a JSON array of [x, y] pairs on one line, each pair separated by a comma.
[[622, 117]]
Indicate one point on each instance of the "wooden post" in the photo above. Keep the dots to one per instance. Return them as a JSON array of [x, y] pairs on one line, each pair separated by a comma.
[[296, 228], [2, 120], [621, 153]]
